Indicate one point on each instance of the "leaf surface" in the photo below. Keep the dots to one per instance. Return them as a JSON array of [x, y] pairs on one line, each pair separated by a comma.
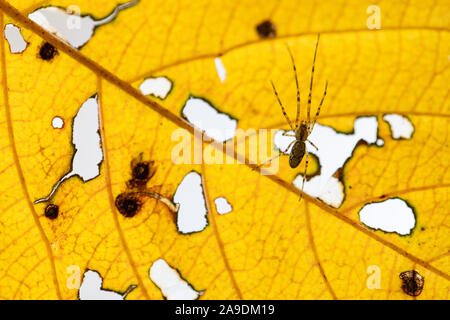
[[271, 246]]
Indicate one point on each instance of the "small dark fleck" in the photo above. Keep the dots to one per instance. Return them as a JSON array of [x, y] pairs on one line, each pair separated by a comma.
[[128, 204], [47, 51], [422, 229], [51, 211], [266, 29], [412, 282]]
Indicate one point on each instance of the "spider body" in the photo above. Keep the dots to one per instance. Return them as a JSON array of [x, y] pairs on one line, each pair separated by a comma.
[[299, 147], [301, 133], [297, 153], [302, 129]]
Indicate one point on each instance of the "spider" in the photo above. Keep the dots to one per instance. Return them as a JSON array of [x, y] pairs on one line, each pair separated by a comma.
[[302, 128]]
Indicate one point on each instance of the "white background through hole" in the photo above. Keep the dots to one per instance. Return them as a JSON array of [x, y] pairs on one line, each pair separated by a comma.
[[74, 29], [86, 139], [334, 149], [172, 286], [57, 122], [220, 68], [392, 215], [222, 205], [189, 195], [401, 127], [91, 288], [17, 43], [219, 126], [158, 87]]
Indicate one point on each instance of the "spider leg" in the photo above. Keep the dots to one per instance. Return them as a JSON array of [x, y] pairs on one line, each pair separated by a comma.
[[282, 152], [318, 109], [281, 105], [298, 89], [311, 83], [312, 144], [288, 134], [304, 177]]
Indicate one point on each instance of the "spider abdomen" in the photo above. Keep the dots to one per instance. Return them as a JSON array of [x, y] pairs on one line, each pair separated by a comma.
[[297, 153]]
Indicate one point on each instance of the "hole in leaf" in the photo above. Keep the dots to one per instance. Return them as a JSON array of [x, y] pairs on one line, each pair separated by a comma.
[[401, 127], [68, 25], [17, 43], [92, 288], [86, 140], [325, 186], [192, 213], [57, 123], [391, 215], [222, 205], [170, 282], [220, 68], [203, 115], [158, 87]]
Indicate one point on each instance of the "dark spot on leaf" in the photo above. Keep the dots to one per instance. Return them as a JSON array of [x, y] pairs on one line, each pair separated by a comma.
[[266, 29], [51, 211], [47, 51], [141, 173], [412, 282], [128, 204]]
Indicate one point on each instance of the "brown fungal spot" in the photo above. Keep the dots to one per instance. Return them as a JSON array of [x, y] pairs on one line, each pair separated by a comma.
[[141, 173], [47, 51], [412, 282], [128, 204], [266, 29], [51, 211]]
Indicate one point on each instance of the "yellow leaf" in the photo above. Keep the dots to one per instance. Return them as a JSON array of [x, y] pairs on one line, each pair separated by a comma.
[[270, 246]]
